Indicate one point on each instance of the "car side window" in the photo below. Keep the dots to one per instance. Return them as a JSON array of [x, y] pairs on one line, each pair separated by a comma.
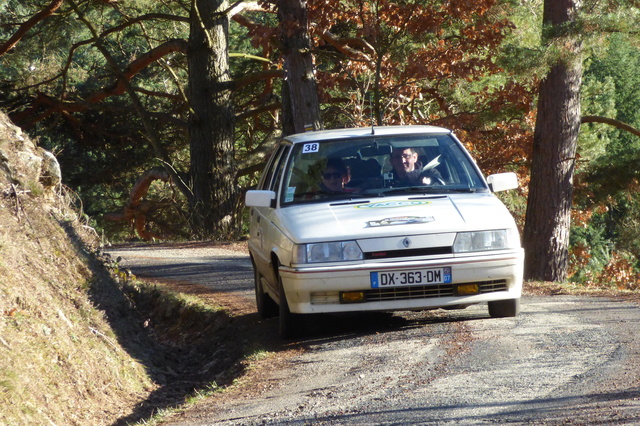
[[277, 173], [459, 166], [268, 181]]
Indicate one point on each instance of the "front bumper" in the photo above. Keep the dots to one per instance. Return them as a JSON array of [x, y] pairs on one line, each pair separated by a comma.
[[317, 289]]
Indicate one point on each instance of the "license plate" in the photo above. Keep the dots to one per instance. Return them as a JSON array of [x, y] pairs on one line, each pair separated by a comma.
[[412, 277]]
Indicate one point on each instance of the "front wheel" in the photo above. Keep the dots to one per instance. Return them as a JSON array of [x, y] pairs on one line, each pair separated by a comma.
[[267, 308], [504, 308], [291, 325]]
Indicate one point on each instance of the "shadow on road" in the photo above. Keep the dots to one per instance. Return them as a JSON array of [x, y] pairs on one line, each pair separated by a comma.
[[188, 351], [198, 352]]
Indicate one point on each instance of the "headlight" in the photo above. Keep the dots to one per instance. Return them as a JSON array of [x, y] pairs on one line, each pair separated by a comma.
[[327, 252], [486, 240]]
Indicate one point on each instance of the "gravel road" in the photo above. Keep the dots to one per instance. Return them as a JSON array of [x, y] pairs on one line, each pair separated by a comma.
[[564, 360]]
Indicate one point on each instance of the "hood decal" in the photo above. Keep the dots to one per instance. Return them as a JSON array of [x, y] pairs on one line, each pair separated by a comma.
[[400, 220], [390, 204]]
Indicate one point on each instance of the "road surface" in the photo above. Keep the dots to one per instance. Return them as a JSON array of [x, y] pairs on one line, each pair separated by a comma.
[[563, 360]]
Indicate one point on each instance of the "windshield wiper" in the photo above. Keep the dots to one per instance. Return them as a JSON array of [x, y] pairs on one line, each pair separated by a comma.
[[350, 199], [346, 203], [465, 190], [437, 189]]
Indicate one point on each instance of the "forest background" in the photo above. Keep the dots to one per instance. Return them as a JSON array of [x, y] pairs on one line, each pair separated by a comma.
[[115, 90]]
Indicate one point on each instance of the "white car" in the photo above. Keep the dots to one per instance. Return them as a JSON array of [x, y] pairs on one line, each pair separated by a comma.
[[380, 219]]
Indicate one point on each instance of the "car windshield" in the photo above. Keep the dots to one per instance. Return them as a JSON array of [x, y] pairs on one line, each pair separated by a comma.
[[378, 166]]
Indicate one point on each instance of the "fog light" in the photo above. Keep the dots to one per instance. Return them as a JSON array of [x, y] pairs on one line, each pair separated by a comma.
[[466, 289], [351, 296]]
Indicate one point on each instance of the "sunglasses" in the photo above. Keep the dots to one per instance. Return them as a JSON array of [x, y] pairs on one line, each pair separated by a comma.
[[334, 175], [401, 156]]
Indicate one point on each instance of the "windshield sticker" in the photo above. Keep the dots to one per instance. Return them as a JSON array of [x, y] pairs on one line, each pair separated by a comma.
[[401, 220], [390, 204], [290, 193], [308, 148]]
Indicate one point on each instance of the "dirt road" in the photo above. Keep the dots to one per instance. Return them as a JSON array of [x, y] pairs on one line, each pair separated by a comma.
[[565, 359]]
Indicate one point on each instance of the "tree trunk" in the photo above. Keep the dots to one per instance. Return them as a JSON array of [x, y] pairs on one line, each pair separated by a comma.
[[300, 104], [211, 125], [546, 232]]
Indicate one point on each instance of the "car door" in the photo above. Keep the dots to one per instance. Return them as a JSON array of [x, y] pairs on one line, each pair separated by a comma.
[[260, 226]]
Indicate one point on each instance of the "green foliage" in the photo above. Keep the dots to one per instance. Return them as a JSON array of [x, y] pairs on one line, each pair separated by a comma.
[[598, 98], [473, 67], [595, 250], [608, 173], [99, 141], [625, 221]]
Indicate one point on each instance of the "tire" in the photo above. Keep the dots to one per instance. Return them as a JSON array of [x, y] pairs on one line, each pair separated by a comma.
[[267, 308], [290, 325], [504, 308]]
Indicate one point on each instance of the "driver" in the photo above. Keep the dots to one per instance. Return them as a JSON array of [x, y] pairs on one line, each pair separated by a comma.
[[335, 176], [407, 170]]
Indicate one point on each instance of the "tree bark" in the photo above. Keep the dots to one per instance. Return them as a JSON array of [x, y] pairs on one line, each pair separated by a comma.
[[211, 125], [546, 232], [300, 104]]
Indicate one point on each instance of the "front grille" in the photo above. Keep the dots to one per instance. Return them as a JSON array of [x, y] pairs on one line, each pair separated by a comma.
[[387, 254], [430, 291], [406, 293]]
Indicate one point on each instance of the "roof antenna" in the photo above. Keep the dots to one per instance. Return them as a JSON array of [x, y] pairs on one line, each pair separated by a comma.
[[371, 112]]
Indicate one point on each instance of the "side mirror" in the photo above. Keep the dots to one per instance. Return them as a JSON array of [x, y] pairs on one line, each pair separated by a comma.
[[502, 181], [255, 198]]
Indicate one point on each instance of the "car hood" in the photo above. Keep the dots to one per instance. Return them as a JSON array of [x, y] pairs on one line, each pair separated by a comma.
[[393, 216]]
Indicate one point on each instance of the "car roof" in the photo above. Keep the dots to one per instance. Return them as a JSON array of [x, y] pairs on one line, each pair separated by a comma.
[[361, 132]]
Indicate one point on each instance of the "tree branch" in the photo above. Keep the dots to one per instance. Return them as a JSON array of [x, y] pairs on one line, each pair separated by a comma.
[[147, 17], [32, 22], [344, 46], [151, 132], [28, 117], [136, 209], [612, 122], [257, 76], [137, 65]]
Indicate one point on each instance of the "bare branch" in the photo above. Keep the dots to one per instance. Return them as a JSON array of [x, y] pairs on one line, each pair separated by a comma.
[[344, 46]]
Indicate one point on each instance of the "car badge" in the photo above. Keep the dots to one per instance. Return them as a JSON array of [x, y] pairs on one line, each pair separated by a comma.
[[406, 242]]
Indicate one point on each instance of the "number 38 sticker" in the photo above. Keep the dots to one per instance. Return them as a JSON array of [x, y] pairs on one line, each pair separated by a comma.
[[310, 147]]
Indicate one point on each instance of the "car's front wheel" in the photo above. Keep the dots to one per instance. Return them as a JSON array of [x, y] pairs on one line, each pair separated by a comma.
[[504, 308], [267, 308], [291, 325]]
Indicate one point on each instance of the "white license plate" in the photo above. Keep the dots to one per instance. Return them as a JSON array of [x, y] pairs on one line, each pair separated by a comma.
[[412, 277]]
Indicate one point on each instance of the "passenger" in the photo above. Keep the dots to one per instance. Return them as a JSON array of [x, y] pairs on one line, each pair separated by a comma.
[[407, 170], [335, 176]]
